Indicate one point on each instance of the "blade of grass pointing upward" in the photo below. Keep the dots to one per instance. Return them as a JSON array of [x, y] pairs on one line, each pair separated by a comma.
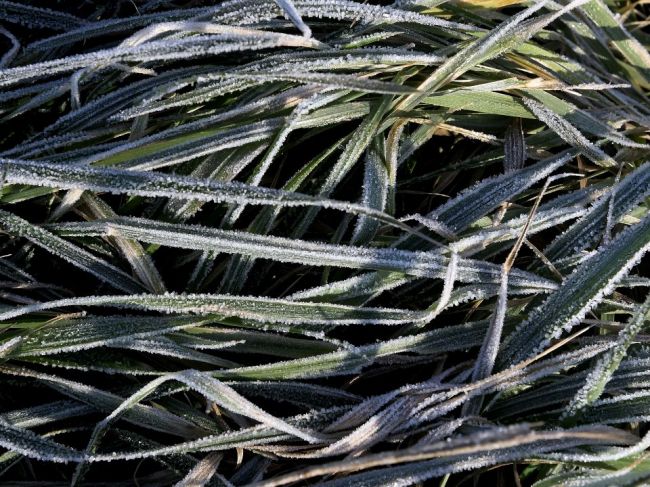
[[490, 347]]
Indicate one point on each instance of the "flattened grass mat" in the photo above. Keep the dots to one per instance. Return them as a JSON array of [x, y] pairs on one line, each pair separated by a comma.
[[333, 242]]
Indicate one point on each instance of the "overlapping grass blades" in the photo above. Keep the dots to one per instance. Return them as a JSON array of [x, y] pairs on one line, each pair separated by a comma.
[[264, 242]]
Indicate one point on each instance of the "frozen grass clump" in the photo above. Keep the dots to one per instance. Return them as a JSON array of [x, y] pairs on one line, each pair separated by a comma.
[[333, 242]]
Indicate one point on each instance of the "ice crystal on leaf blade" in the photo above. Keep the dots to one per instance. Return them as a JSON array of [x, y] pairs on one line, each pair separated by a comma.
[[600, 375], [594, 279], [293, 14], [417, 264], [252, 308], [569, 134], [34, 446]]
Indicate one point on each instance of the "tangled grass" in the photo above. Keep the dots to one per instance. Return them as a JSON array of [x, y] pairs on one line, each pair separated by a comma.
[[264, 242]]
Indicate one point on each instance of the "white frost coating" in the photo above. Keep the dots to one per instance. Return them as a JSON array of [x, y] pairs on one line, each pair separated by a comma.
[[438, 405], [69, 252], [232, 164], [588, 477], [356, 145], [256, 435], [432, 224], [303, 108], [69, 200], [252, 12], [293, 15], [47, 413], [158, 101], [622, 397], [511, 229], [341, 81], [168, 348], [474, 450], [36, 17], [629, 192], [569, 133], [186, 151], [231, 40], [507, 35], [488, 194], [213, 390], [588, 122], [240, 38], [114, 181], [35, 88], [358, 413], [149, 417], [609, 220], [95, 331], [490, 347], [600, 375], [203, 473], [374, 195], [415, 263], [115, 25], [357, 285], [345, 362], [100, 108], [472, 134], [373, 430], [253, 308], [43, 144], [179, 153], [6, 348], [612, 455], [347, 10], [326, 60], [423, 264], [448, 286], [31, 445], [444, 430], [593, 279], [219, 82]]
